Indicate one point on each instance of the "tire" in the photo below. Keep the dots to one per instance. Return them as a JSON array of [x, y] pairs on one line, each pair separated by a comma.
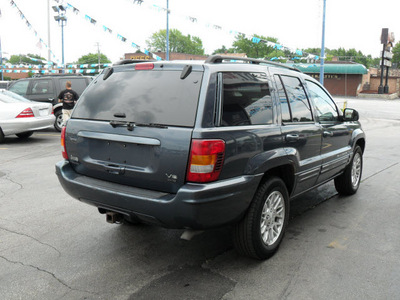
[[24, 135], [349, 182], [1, 136], [260, 232], [58, 123]]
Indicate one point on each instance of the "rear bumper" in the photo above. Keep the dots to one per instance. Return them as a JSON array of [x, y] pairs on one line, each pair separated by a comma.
[[15, 126], [195, 206]]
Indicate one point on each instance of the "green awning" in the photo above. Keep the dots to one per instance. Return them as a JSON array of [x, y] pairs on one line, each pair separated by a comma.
[[331, 68]]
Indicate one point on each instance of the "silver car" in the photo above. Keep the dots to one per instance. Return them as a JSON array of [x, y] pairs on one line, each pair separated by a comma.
[[21, 116]]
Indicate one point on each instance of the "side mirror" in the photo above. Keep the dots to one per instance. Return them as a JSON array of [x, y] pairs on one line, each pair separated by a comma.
[[350, 114]]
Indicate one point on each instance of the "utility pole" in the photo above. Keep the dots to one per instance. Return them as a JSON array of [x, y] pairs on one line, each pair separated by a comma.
[[98, 55]]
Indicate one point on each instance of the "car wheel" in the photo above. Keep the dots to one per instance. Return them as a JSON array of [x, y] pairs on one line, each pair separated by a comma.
[[59, 120], [260, 232], [349, 181], [24, 135], [1, 136]]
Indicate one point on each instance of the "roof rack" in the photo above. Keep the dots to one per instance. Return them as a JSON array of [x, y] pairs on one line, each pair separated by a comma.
[[217, 59], [131, 61], [56, 74]]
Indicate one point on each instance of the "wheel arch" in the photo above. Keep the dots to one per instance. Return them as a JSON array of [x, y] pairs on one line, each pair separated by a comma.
[[285, 172], [361, 142]]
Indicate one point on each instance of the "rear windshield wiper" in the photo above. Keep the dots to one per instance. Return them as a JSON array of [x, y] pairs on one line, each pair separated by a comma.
[[131, 125]]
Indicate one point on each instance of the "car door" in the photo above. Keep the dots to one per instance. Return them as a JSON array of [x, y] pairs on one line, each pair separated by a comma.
[[41, 89], [336, 148], [302, 136]]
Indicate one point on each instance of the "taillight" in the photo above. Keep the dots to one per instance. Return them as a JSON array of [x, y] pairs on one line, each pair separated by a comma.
[[144, 66], [26, 113], [206, 160], [63, 148]]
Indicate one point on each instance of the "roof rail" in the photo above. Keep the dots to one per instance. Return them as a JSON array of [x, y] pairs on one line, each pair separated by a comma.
[[217, 59], [56, 74]]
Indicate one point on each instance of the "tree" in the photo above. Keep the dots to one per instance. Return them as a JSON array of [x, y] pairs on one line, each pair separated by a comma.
[[178, 42], [256, 50], [351, 55], [396, 54], [93, 58], [222, 50], [24, 59]]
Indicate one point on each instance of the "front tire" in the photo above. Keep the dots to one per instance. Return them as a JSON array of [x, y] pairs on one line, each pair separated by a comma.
[[349, 182], [260, 232]]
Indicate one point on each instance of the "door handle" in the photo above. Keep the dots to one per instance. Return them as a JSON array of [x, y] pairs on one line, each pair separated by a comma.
[[327, 133], [292, 137]]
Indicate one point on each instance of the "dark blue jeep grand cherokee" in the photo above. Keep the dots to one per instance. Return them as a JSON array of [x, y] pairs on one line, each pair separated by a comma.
[[198, 145]]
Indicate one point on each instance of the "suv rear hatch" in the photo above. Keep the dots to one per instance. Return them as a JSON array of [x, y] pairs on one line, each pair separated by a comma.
[[133, 125]]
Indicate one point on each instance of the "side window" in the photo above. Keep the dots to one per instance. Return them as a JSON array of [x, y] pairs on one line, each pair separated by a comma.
[[286, 115], [246, 99], [20, 87], [325, 107], [299, 106], [42, 87]]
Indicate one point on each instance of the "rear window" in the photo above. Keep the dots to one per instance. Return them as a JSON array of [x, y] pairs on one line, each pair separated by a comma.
[[156, 96]]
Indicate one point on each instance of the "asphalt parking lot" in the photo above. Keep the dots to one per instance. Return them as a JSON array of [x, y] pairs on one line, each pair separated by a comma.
[[54, 247]]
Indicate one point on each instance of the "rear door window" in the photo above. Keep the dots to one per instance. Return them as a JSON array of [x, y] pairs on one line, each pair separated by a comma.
[[246, 99], [300, 108], [148, 96]]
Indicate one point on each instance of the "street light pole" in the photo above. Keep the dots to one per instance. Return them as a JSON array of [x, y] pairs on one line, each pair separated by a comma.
[[1, 61], [1, 57], [61, 18], [48, 31], [321, 71], [167, 52]]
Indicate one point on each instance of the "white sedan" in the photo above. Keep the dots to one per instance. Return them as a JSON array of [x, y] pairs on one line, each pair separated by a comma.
[[21, 116]]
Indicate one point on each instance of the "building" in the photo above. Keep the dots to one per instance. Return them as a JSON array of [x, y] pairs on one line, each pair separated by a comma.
[[340, 78]]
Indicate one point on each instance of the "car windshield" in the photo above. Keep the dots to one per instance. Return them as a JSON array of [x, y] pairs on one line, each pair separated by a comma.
[[11, 97]]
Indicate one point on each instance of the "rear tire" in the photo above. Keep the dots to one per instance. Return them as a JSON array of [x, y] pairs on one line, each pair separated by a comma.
[[349, 182], [260, 232]]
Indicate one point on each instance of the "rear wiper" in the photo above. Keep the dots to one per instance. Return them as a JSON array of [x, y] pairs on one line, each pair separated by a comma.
[[131, 125]]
